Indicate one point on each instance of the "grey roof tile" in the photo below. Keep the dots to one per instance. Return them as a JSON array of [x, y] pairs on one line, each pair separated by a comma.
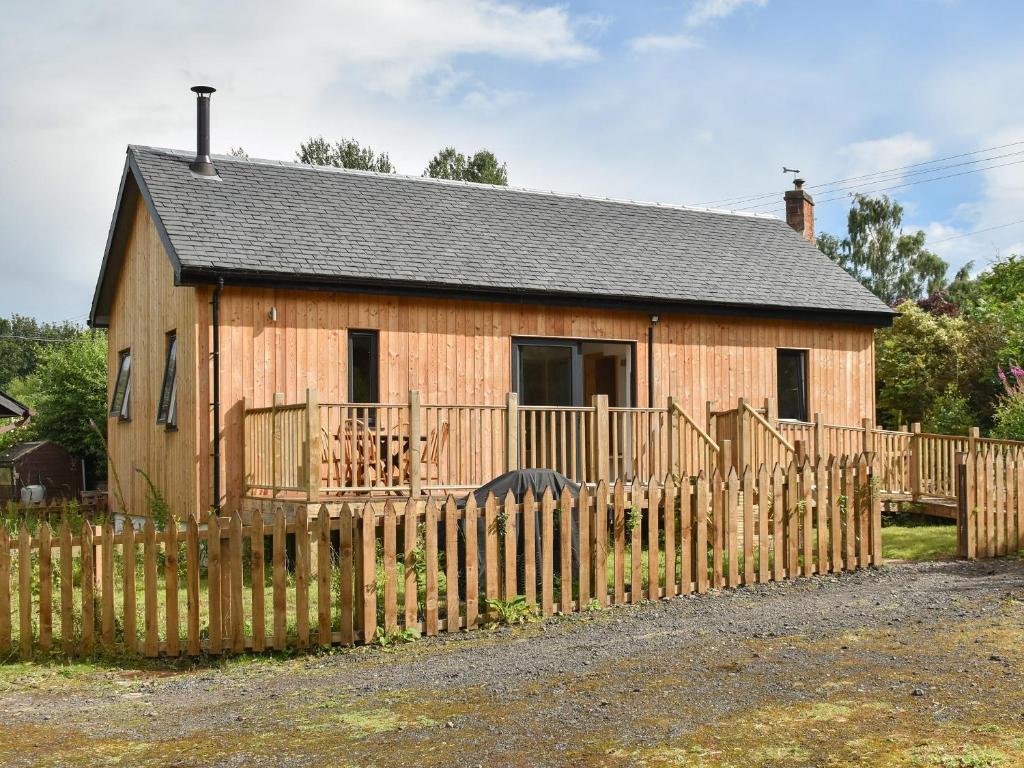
[[272, 218]]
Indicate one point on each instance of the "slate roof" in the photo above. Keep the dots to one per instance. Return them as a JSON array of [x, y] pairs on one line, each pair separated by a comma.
[[283, 222], [9, 407]]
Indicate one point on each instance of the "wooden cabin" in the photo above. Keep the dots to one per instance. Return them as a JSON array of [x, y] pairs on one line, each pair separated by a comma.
[[39, 463], [340, 330]]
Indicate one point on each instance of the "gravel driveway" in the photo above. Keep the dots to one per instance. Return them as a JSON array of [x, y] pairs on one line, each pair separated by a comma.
[[910, 665]]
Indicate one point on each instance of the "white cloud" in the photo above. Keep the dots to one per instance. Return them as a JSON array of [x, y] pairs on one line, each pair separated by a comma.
[[704, 11], [662, 43], [79, 81], [867, 157]]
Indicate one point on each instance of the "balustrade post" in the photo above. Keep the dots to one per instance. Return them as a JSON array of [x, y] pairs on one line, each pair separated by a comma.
[[602, 452], [313, 444], [512, 432], [819, 436], [276, 448], [672, 436], [868, 439], [415, 444], [743, 458], [915, 460]]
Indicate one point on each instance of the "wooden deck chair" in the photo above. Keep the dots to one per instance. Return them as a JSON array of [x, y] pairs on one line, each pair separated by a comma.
[[361, 465]]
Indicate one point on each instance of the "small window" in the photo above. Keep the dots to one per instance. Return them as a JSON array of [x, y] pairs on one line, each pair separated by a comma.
[[167, 408], [792, 374], [120, 405], [362, 367]]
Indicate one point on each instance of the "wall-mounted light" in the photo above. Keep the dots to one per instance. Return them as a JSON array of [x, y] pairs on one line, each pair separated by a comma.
[[654, 319], [272, 315]]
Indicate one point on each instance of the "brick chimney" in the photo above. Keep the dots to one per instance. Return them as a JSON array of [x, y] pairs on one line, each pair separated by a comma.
[[800, 210]]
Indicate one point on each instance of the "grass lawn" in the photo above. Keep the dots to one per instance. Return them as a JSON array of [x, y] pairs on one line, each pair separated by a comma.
[[919, 542]]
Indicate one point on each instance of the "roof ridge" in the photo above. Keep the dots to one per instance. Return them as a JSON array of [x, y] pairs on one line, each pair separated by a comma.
[[471, 184]]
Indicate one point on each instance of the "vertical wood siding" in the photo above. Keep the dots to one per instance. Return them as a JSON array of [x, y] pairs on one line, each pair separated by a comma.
[[453, 352]]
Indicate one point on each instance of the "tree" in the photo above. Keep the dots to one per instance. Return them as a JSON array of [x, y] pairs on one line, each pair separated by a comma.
[[482, 167], [346, 153], [67, 389], [891, 264], [21, 341]]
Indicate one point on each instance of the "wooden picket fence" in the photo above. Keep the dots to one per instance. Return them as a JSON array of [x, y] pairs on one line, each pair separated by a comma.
[[365, 571], [990, 498]]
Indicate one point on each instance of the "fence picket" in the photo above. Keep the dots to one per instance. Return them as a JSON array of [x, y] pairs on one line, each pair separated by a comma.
[[410, 525], [491, 566], [821, 514], [619, 532], [390, 571], [547, 545], [278, 555], [864, 492], [431, 573], [763, 540], [192, 643], [747, 489], [368, 561], [491, 581], [5, 592], [669, 503], [346, 573], [171, 587], [213, 585], [835, 515], [807, 518], [451, 560], [600, 553], [152, 641], [131, 639], [25, 592], [67, 592], [687, 543], [302, 577], [586, 546], [778, 522], [700, 535], [87, 589], [107, 586], [45, 589], [530, 547], [653, 549], [235, 583], [731, 528], [565, 528], [718, 492], [511, 571], [792, 511]]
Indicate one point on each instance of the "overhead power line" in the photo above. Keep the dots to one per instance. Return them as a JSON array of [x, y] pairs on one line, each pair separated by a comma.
[[749, 198], [37, 338], [976, 232], [894, 186]]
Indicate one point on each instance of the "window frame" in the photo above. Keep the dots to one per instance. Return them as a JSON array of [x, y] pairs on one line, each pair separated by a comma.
[[804, 355], [121, 400], [167, 402], [374, 336]]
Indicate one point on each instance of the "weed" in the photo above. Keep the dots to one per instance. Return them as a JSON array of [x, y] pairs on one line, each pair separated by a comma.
[[593, 605], [633, 518], [396, 636], [510, 612]]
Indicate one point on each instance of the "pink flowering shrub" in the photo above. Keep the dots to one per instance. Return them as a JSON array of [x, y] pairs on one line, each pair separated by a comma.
[[1009, 414]]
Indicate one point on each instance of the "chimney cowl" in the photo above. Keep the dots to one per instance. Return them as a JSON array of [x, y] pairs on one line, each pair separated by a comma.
[[202, 165]]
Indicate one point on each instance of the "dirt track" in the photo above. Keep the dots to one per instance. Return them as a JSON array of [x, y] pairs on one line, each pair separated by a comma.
[[910, 665]]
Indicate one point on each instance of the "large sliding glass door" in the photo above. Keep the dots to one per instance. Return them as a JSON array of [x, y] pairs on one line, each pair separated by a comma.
[[565, 374]]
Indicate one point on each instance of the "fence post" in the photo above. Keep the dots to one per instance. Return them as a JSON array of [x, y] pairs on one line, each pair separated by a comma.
[[915, 460], [602, 460], [275, 439], [313, 444], [672, 437], [415, 445], [819, 436], [742, 434], [512, 432]]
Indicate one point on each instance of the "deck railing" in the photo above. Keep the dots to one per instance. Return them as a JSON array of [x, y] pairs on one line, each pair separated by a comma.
[[332, 450], [323, 450]]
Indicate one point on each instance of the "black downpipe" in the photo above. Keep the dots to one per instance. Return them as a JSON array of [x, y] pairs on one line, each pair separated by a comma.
[[215, 356], [650, 366]]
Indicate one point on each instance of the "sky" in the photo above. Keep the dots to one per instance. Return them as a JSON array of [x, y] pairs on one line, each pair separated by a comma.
[[678, 101]]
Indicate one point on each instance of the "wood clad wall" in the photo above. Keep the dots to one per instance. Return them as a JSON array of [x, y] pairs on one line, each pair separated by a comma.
[[461, 353], [146, 306]]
